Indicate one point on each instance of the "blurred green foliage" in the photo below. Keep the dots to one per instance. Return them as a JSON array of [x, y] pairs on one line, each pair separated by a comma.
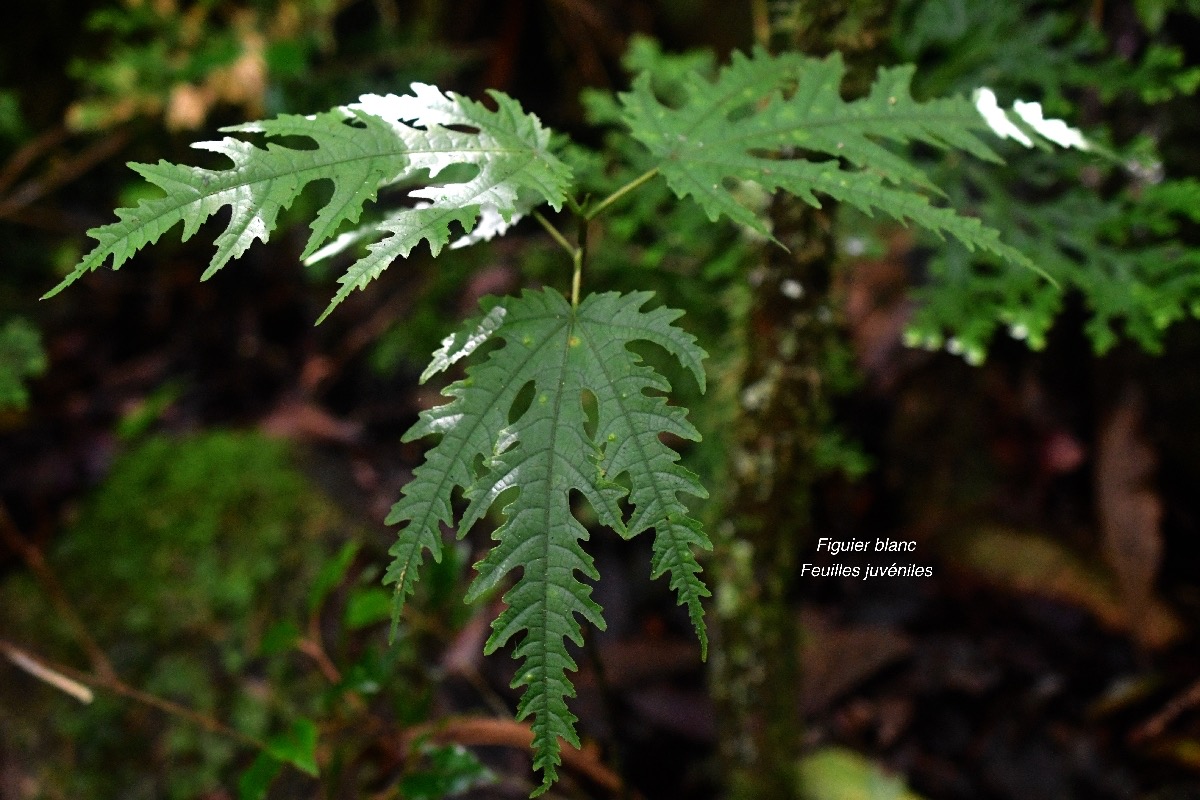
[[185, 535], [21, 358], [179, 60], [12, 123], [448, 771], [178, 562], [194, 566], [1108, 230]]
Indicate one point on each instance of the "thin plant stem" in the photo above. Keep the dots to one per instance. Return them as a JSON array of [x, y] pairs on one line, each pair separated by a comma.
[[579, 258], [29, 192], [582, 217], [312, 647], [595, 210], [760, 16], [555, 234], [576, 253], [103, 675], [33, 558], [114, 684]]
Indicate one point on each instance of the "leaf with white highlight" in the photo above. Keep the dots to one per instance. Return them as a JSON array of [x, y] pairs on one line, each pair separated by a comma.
[[379, 141], [779, 121], [1052, 130]]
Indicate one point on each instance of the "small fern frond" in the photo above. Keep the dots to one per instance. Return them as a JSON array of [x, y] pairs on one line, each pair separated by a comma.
[[780, 121], [359, 148], [545, 455]]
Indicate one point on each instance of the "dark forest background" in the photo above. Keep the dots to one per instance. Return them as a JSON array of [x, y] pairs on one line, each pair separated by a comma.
[[193, 476]]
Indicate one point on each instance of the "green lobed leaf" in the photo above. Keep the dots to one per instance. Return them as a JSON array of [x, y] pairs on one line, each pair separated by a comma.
[[779, 121], [545, 455], [380, 140], [296, 746], [255, 781]]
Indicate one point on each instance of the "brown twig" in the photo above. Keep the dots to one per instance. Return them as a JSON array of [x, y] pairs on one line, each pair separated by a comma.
[[42, 667], [22, 660], [760, 17], [583, 29], [54, 220], [311, 646], [1158, 723], [487, 731], [33, 558], [58, 174], [103, 676], [28, 153]]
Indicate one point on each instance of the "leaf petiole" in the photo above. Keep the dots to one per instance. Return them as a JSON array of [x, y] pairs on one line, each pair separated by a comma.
[[593, 212], [554, 232]]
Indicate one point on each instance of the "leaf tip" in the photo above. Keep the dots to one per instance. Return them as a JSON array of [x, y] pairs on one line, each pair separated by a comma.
[[64, 283]]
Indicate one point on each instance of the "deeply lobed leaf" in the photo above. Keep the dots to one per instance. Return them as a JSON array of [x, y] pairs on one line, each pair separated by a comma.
[[779, 121], [359, 148], [545, 455]]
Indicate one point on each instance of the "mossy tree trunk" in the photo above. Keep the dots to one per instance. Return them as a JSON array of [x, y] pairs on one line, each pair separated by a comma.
[[793, 339], [784, 410]]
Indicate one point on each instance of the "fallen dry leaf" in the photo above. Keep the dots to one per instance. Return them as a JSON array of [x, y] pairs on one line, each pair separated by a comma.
[[834, 660], [1028, 563], [1128, 505], [303, 420]]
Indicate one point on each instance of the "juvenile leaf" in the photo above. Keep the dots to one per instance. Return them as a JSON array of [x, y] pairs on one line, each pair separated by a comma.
[[359, 148], [545, 455], [780, 122]]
